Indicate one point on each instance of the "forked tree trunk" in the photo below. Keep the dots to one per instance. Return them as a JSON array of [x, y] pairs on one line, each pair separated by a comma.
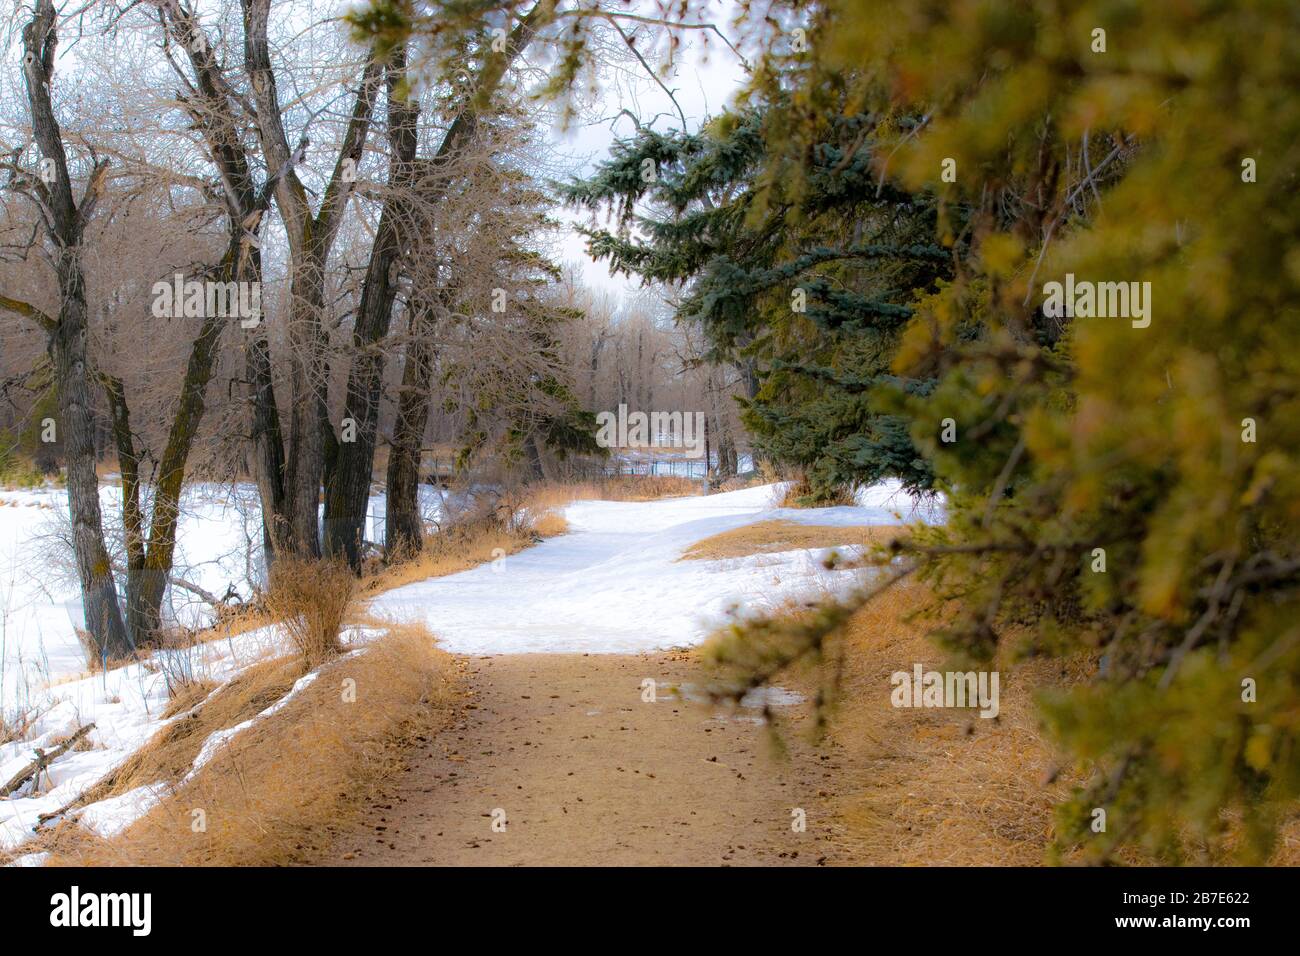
[[214, 115], [345, 510], [349, 491], [310, 240]]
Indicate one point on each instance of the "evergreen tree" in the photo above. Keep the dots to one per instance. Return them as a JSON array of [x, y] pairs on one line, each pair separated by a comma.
[[1127, 484], [805, 282]]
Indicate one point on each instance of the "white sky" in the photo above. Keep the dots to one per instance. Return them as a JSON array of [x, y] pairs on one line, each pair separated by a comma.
[[703, 83]]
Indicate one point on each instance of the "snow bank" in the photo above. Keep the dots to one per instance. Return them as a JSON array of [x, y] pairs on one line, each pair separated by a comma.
[[614, 584]]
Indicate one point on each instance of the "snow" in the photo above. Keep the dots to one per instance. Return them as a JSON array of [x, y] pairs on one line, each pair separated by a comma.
[[614, 583], [126, 705], [40, 604], [217, 547]]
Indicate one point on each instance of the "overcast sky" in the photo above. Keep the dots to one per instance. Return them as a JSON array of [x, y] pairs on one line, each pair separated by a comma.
[[703, 83]]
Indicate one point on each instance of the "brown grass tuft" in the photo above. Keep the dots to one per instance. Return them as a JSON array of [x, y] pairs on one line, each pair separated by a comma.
[[273, 795], [800, 495], [312, 599], [550, 525], [187, 696], [766, 537]]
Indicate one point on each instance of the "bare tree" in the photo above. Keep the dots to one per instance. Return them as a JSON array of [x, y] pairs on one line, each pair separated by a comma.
[[63, 220]]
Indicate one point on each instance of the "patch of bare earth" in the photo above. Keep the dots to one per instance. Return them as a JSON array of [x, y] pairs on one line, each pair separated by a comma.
[[587, 773]]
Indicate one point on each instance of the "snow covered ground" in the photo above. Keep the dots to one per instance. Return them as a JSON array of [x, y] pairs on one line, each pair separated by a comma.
[[217, 547], [40, 603], [614, 583], [43, 669], [126, 706]]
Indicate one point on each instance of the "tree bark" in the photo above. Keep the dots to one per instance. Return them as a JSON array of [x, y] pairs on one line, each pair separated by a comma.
[[64, 223], [310, 240], [403, 527], [345, 510], [349, 492]]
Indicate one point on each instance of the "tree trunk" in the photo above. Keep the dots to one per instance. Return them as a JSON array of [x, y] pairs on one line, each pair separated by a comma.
[[306, 460], [310, 239], [214, 115], [64, 224], [67, 349], [403, 527], [349, 492], [533, 455], [268, 444]]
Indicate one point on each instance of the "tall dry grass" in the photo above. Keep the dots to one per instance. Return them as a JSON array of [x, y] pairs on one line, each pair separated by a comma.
[[275, 792], [800, 494], [311, 600], [556, 494]]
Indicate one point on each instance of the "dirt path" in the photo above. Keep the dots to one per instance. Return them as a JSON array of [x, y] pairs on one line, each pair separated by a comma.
[[588, 773]]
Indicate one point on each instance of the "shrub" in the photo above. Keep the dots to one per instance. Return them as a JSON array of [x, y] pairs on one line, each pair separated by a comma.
[[311, 599]]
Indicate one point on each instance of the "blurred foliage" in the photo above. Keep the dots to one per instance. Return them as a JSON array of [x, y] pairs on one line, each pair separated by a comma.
[[1168, 451]]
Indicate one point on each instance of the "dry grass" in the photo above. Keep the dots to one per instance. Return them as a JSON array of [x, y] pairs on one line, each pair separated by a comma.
[[451, 552], [771, 536], [918, 786], [550, 525], [647, 488], [553, 494], [799, 495], [234, 620], [940, 786], [188, 696], [278, 788], [170, 753], [747, 480], [311, 599]]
